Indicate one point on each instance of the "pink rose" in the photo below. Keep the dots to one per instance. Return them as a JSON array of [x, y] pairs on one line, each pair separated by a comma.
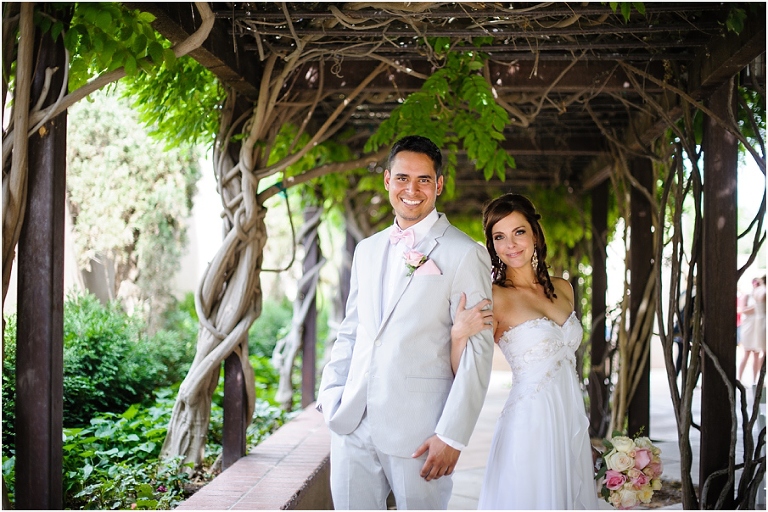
[[640, 480], [614, 480], [654, 469], [642, 458], [414, 258]]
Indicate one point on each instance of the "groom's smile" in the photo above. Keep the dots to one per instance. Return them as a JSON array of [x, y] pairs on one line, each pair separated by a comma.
[[413, 187]]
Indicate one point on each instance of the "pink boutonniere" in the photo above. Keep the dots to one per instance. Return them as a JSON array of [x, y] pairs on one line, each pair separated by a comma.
[[413, 260]]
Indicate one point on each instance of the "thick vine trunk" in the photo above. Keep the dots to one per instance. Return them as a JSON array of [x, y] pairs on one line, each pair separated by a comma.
[[229, 308], [229, 298], [284, 354]]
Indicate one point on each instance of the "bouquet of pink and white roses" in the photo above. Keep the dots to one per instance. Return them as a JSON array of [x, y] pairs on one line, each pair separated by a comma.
[[630, 470]]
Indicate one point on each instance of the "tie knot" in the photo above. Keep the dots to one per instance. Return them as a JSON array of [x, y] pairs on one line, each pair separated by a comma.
[[406, 235]]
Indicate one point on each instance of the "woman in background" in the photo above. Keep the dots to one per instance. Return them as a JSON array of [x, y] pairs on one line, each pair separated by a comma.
[[753, 328]]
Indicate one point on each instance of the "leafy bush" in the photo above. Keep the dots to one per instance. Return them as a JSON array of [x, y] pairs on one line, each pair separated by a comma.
[[177, 341], [113, 462], [273, 324], [109, 363], [9, 386]]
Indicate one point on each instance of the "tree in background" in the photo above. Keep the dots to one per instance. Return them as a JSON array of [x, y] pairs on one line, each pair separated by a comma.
[[128, 197], [105, 42]]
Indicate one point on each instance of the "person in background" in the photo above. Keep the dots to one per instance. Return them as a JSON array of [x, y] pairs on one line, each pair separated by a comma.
[[753, 328]]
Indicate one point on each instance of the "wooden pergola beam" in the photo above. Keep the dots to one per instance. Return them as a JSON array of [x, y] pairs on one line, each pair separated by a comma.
[[515, 76], [717, 63], [222, 54], [714, 65]]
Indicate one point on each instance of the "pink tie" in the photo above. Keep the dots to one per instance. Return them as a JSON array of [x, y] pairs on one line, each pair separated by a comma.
[[406, 236]]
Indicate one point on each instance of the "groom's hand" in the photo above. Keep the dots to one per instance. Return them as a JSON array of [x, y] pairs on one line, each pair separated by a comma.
[[441, 459]]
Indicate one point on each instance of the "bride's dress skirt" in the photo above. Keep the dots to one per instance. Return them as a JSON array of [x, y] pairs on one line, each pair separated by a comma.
[[540, 455]]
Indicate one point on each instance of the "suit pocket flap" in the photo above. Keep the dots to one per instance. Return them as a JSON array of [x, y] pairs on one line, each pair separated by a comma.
[[428, 385]]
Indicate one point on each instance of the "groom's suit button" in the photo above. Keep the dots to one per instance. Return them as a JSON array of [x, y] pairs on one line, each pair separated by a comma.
[[377, 343]]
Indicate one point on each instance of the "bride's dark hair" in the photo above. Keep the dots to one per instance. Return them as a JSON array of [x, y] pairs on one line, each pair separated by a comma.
[[497, 210]]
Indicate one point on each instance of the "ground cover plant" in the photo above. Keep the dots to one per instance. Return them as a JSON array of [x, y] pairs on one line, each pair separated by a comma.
[[116, 420]]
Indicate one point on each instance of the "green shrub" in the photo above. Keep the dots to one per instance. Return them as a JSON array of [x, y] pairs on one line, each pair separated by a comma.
[[108, 363], [9, 386], [181, 317], [113, 462], [272, 325]]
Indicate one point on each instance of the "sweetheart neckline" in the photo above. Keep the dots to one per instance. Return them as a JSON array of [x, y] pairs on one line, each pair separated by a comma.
[[544, 318]]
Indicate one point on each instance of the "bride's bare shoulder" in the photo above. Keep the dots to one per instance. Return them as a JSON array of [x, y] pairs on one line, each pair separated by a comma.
[[563, 288]]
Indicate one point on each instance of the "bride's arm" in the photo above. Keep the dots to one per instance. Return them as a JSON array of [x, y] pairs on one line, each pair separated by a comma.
[[467, 323]]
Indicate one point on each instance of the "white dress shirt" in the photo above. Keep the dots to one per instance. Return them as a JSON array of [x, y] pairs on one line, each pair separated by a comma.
[[395, 268]]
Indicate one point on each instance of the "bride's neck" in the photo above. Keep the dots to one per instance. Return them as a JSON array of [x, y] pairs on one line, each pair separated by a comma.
[[522, 278]]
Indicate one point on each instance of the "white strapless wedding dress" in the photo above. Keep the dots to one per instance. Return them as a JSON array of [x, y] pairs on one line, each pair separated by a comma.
[[540, 454]]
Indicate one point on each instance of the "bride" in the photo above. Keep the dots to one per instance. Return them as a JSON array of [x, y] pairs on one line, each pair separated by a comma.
[[540, 454]]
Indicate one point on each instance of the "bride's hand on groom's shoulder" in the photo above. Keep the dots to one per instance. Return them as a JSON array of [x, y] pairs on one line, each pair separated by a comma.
[[441, 458]]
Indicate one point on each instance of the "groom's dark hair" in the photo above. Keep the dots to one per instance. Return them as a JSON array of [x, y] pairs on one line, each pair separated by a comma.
[[419, 144]]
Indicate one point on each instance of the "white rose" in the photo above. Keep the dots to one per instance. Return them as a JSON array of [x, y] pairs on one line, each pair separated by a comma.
[[628, 499], [623, 444], [619, 461], [644, 442], [656, 484]]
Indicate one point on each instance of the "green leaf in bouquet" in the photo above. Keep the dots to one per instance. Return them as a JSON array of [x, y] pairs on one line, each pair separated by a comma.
[[601, 472]]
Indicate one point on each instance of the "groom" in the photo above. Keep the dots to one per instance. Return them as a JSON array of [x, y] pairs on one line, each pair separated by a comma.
[[398, 416]]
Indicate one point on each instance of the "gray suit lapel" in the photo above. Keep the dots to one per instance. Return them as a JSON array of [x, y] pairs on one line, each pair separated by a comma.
[[426, 246]]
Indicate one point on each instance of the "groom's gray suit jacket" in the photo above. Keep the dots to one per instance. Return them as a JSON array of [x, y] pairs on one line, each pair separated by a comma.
[[397, 364]]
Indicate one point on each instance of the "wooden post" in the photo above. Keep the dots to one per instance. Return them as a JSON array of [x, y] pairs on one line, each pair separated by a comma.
[[309, 334], [640, 256], [40, 339], [719, 294], [599, 417], [235, 421]]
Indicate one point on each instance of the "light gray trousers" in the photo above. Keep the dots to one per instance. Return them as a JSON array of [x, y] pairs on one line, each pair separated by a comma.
[[362, 476]]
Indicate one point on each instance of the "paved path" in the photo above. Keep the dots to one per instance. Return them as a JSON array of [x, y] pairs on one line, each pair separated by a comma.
[[470, 470]]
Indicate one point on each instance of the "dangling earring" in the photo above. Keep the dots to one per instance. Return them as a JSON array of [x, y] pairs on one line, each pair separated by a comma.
[[534, 259], [500, 264]]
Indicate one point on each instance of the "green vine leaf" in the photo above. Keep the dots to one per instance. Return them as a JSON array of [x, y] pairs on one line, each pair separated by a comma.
[[455, 106], [102, 37], [626, 8], [735, 20]]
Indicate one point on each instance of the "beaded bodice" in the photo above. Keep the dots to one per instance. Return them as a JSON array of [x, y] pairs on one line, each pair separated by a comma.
[[536, 350]]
